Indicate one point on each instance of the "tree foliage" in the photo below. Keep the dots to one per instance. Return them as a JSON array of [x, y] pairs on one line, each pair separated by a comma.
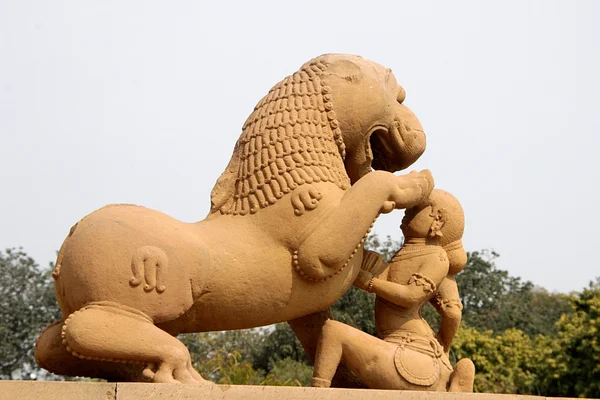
[[574, 361], [566, 363], [264, 356], [494, 300], [510, 362], [27, 304]]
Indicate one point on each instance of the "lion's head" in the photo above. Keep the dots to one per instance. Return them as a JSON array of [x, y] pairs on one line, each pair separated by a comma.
[[332, 121]]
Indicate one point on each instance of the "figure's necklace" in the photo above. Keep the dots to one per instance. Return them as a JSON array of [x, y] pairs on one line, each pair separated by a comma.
[[416, 245], [411, 249]]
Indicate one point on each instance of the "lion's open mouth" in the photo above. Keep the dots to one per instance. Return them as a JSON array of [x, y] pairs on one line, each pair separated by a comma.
[[383, 155], [391, 151], [380, 156]]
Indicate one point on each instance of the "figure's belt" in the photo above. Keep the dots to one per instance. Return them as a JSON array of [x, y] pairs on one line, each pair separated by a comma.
[[418, 342]]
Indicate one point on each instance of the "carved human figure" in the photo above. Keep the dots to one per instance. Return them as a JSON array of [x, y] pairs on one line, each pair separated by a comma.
[[129, 279], [406, 354]]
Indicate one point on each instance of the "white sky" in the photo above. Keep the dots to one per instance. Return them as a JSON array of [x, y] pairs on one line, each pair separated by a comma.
[[142, 101]]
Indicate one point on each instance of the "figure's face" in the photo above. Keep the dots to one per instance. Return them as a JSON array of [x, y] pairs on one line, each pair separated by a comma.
[[379, 131], [417, 222]]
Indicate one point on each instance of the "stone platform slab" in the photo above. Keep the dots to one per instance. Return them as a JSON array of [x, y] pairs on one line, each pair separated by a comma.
[[28, 390]]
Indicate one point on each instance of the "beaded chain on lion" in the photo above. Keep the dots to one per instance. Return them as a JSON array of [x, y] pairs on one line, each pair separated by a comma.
[[291, 138]]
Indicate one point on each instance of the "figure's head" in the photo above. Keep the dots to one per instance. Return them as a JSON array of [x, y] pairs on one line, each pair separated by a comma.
[[332, 121], [442, 219]]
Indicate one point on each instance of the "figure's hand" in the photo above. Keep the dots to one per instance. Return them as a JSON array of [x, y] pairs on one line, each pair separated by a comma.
[[410, 190], [373, 263], [363, 279]]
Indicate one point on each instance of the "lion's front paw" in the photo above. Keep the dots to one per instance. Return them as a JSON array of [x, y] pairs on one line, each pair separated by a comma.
[[411, 189]]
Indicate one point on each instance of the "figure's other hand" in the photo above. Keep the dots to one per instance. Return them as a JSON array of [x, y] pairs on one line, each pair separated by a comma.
[[412, 189], [363, 279]]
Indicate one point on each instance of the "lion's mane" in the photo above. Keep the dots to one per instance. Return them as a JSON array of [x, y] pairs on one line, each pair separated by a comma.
[[292, 138]]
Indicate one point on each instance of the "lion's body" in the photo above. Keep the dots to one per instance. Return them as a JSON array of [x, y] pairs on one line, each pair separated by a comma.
[[225, 267]]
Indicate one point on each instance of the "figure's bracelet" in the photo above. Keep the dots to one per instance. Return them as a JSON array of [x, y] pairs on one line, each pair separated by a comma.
[[370, 285]]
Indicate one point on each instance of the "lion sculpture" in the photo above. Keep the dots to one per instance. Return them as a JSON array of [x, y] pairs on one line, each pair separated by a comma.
[[282, 242]]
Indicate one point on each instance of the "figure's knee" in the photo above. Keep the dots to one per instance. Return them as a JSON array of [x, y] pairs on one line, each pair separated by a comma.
[[333, 332], [463, 377], [332, 327]]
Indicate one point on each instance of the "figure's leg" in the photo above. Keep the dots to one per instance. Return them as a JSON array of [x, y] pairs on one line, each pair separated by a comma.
[[463, 377], [370, 358], [122, 335], [308, 330]]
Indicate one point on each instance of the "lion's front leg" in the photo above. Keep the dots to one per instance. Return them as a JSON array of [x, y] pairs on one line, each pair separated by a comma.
[[341, 233]]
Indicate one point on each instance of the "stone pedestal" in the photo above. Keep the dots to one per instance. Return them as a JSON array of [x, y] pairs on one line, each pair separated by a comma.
[[27, 390]]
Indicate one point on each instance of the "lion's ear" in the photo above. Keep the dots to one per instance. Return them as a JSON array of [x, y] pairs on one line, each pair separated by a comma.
[[347, 70], [224, 188]]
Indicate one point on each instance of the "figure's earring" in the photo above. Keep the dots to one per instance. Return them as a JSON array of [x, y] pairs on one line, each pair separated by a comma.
[[439, 219]]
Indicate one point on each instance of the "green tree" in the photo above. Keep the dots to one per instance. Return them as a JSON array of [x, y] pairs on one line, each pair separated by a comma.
[[289, 372], [510, 362], [494, 300], [574, 362], [277, 345], [250, 356], [224, 357], [566, 363], [27, 304]]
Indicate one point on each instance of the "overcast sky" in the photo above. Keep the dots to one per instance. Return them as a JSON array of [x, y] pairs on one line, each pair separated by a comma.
[[142, 101]]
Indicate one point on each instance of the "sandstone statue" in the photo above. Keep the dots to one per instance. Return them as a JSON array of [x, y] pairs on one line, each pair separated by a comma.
[[282, 242], [407, 354]]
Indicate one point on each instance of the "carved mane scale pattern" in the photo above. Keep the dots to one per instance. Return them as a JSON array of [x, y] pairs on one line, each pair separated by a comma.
[[291, 138]]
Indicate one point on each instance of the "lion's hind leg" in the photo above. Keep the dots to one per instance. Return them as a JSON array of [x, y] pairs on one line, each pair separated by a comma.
[[53, 356], [110, 332]]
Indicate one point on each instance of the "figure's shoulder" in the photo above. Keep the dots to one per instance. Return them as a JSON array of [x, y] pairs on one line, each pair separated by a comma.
[[434, 255], [435, 265]]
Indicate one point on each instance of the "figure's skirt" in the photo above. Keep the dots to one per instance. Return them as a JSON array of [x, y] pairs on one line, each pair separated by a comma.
[[418, 358]]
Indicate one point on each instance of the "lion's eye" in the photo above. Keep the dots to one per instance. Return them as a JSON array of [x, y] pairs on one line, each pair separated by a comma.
[[401, 95]]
